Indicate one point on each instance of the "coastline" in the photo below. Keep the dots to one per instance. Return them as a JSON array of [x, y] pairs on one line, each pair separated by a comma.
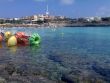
[[19, 25], [55, 25]]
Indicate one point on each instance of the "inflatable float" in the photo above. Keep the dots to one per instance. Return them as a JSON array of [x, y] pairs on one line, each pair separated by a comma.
[[7, 35], [20, 34], [35, 39], [12, 41], [22, 39]]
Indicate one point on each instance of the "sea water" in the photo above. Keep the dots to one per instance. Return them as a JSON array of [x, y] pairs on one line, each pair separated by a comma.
[[66, 54]]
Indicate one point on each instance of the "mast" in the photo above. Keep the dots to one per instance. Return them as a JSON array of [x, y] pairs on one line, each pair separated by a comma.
[[47, 11]]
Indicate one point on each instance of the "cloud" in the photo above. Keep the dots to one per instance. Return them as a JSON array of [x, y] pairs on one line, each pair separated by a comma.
[[7, 0], [67, 2], [103, 11], [64, 2], [40, 0], [10, 0]]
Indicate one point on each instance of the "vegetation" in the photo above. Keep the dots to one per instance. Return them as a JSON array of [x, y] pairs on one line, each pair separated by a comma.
[[57, 20]]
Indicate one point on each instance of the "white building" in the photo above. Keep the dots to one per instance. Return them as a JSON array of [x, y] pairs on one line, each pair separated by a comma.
[[97, 19], [16, 18], [35, 18], [90, 19]]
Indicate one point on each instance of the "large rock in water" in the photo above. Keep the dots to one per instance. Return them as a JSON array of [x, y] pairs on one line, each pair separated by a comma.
[[12, 41]]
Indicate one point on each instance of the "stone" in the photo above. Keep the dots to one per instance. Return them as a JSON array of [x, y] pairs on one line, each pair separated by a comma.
[[2, 80]]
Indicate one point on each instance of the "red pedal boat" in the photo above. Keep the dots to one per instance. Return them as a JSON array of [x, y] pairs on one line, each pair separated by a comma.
[[22, 39]]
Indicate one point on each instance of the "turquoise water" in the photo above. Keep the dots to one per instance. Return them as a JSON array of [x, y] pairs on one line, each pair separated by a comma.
[[70, 55]]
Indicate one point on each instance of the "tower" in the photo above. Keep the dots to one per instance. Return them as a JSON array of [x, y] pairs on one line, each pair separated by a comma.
[[47, 11]]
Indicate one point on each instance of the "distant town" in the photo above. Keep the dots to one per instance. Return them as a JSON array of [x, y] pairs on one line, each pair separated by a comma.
[[43, 20]]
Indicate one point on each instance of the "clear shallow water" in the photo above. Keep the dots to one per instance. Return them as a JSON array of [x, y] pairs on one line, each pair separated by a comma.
[[71, 55]]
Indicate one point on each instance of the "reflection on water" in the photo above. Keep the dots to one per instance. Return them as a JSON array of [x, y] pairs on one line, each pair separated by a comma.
[[65, 55], [13, 49], [0, 45]]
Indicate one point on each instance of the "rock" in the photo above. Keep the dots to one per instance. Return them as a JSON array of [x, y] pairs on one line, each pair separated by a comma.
[[29, 79], [102, 71], [23, 70], [67, 79], [10, 68], [54, 58], [2, 70], [2, 80]]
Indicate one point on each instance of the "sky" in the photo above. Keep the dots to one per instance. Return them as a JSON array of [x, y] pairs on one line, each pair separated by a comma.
[[69, 8]]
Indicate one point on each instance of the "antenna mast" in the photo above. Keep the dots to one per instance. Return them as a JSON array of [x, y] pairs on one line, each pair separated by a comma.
[[47, 11]]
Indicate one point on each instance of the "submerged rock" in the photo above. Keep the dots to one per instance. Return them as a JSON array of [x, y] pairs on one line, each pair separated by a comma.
[[2, 80], [10, 68], [54, 58], [67, 79], [29, 79], [104, 72]]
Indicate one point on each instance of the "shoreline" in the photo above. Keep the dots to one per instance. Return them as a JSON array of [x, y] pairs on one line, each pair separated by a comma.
[[53, 25], [19, 25]]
